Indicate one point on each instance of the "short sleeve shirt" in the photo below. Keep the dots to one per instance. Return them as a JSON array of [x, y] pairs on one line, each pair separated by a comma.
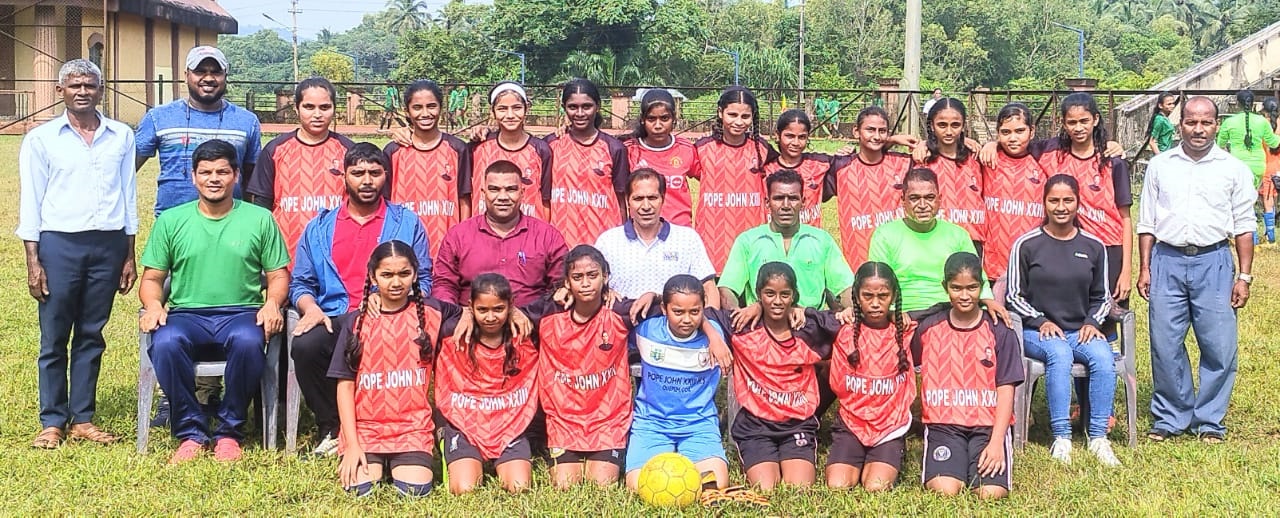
[[918, 257], [301, 180], [677, 162], [813, 170], [867, 196], [636, 268], [818, 263], [429, 182], [215, 262], [731, 192], [533, 159], [1162, 131], [176, 129], [586, 181]]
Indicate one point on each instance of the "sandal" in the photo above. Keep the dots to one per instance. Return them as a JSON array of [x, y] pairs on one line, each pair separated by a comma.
[[48, 439], [91, 433], [1158, 435], [1213, 437]]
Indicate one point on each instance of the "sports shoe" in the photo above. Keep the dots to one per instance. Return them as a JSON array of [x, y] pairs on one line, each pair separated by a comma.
[[1061, 450], [328, 446], [161, 418], [1101, 448], [227, 450], [186, 452]]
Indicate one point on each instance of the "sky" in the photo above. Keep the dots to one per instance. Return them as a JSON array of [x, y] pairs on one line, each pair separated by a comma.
[[335, 15]]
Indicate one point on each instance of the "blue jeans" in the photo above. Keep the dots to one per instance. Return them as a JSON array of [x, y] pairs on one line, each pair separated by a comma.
[[1058, 355], [1191, 292]]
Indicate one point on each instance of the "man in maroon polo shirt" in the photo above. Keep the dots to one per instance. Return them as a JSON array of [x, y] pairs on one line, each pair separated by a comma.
[[527, 251]]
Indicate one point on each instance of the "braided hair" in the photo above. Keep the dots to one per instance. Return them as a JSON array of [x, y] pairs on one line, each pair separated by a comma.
[[1099, 136], [878, 270], [1245, 98], [931, 139], [740, 95], [354, 350], [1155, 111], [498, 286]]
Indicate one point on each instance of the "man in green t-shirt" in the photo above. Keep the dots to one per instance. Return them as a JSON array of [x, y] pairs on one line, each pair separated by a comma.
[[918, 245], [823, 275], [458, 105], [390, 105], [215, 252]]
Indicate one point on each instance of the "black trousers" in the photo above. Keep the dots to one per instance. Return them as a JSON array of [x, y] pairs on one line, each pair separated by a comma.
[[83, 272], [312, 352]]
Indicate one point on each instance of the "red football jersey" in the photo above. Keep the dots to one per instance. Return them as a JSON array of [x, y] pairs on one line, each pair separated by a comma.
[[776, 380], [430, 182], [730, 190], [1014, 191], [584, 380], [678, 162], [393, 410], [534, 161], [875, 397], [960, 194], [961, 368], [586, 180], [1102, 191], [488, 405], [868, 195], [302, 179], [813, 168]]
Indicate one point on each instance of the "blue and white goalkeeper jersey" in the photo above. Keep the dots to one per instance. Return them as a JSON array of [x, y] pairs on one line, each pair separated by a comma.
[[678, 379]]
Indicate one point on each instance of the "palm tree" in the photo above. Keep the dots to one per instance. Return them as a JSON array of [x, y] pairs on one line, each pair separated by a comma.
[[325, 37], [408, 15]]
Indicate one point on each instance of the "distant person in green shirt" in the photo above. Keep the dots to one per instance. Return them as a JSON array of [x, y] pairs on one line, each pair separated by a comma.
[[918, 245], [1160, 129], [390, 105], [828, 115], [214, 251], [458, 106], [824, 276], [1249, 137]]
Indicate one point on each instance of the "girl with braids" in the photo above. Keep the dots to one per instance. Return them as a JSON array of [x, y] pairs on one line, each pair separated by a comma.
[[732, 163], [590, 170], [868, 184], [1271, 108], [1058, 285], [969, 366], [383, 368], [431, 174], [682, 355], [653, 145], [793, 141], [487, 393], [1012, 188], [1160, 130], [776, 383], [1248, 136], [959, 174], [871, 376], [583, 379]]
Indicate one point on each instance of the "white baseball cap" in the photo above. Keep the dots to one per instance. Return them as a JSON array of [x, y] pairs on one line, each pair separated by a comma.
[[203, 52]]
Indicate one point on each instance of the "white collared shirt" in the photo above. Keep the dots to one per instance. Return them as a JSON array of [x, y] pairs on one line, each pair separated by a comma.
[[636, 268], [1200, 203], [70, 186]]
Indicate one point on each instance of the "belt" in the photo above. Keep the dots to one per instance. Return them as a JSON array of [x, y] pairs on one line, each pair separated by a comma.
[[1196, 250]]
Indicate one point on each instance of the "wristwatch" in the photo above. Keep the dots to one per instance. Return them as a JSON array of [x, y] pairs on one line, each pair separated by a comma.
[[1248, 279]]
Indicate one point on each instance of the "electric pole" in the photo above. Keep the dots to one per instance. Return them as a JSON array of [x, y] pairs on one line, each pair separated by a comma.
[[293, 10], [800, 98], [911, 64]]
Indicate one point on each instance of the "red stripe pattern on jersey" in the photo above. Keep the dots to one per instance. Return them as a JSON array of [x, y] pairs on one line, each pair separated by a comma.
[[308, 179], [533, 160], [585, 387], [960, 194], [774, 381], [730, 191], [958, 374], [875, 397], [1014, 191], [868, 195], [1098, 212], [678, 163], [393, 411], [427, 182], [489, 407], [813, 169], [584, 202]]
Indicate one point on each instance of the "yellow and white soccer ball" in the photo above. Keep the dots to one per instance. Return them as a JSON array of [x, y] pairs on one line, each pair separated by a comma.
[[669, 480]]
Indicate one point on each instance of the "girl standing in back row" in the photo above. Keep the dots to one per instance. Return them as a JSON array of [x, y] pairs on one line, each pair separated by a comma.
[[1012, 186], [959, 174], [589, 169], [654, 145], [868, 184], [509, 106], [793, 141]]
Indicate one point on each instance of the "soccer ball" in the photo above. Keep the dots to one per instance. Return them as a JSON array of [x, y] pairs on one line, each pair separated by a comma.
[[669, 480]]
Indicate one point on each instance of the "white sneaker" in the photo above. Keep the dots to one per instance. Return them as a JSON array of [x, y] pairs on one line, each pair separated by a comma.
[[1061, 450], [328, 446], [1101, 448]]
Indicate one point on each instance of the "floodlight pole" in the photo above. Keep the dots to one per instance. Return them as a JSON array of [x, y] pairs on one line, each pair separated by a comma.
[[736, 60], [519, 55], [1080, 39]]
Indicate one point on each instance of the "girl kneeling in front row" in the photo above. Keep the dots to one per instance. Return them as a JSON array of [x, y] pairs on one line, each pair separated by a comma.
[[969, 365]]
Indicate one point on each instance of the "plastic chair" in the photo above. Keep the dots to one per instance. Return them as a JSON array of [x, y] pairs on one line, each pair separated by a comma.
[[292, 393], [212, 367], [1126, 370]]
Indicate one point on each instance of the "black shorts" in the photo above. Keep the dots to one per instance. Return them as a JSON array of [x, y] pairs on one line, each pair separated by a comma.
[[846, 448], [390, 461], [953, 451], [561, 456], [454, 446], [760, 440]]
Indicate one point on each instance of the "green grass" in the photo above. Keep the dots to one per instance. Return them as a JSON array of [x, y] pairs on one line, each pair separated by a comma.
[[1182, 477]]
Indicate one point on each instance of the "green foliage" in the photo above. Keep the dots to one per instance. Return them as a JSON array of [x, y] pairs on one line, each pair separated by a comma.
[[332, 65]]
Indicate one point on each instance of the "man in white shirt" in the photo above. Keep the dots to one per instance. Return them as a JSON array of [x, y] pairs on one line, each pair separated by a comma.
[[77, 219], [1197, 202], [646, 250]]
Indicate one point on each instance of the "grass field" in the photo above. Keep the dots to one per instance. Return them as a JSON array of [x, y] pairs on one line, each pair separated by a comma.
[[1181, 477]]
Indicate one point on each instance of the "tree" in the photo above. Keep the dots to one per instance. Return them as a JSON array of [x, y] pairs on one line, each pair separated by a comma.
[[333, 66], [408, 15]]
